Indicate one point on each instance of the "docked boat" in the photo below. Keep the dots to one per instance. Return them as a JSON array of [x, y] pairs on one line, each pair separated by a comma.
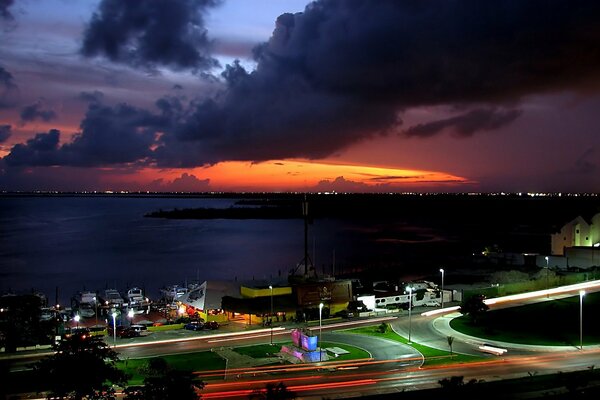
[[86, 310], [113, 298], [173, 292], [135, 296], [86, 297]]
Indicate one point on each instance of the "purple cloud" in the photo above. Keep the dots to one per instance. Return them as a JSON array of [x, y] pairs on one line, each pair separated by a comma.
[[4, 12], [150, 34], [465, 125], [4, 132], [7, 88], [36, 111]]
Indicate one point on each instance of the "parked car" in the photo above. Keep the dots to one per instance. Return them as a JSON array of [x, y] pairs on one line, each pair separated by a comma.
[[128, 333], [212, 325], [432, 303], [80, 331], [194, 326], [344, 314], [139, 328]]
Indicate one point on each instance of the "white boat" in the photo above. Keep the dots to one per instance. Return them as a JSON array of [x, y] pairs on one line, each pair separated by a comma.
[[113, 298], [173, 292], [135, 296], [86, 310], [86, 297]]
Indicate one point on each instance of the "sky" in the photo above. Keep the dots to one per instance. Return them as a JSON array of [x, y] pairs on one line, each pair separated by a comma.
[[290, 95]]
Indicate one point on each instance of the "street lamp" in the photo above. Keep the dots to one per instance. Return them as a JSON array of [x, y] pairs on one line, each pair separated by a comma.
[[77, 318], [320, 330], [581, 294], [96, 304], [442, 271], [271, 287], [547, 278], [410, 289], [114, 316]]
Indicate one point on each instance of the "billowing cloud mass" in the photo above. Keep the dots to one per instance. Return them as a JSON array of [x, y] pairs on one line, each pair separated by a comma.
[[37, 111], [151, 34], [331, 76], [109, 135], [185, 183], [40, 150], [343, 185], [4, 6], [91, 97], [4, 132], [467, 124], [341, 71], [7, 87]]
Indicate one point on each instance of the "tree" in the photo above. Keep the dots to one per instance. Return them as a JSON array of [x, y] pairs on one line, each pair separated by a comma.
[[273, 391], [383, 327], [83, 366], [457, 382], [450, 341], [474, 307], [163, 382], [20, 322]]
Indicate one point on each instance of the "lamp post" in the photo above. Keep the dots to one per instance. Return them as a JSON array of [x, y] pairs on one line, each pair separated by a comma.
[[442, 271], [320, 330], [581, 294], [96, 304], [410, 289], [114, 316], [77, 318], [271, 287], [547, 278]]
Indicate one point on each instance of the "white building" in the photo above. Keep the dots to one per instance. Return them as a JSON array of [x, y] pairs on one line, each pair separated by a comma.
[[577, 233]]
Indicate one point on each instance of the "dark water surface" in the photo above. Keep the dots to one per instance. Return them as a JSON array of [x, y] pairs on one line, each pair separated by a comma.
[[98, 242]]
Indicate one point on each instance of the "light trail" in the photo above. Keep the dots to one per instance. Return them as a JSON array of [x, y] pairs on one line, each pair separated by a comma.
[[539, 293], [236, 335], [524, 296], [415, 377], [354, 323], [296, 389], [251, 335]]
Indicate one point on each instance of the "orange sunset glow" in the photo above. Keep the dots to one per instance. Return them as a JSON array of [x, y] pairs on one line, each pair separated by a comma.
[[284, 175]]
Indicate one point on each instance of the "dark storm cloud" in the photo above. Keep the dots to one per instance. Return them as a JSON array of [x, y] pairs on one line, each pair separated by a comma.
[[149, 34], [467, 124], [7, 87], [41, 150], [91, 97], [4, 6], [336, 74], [587, 164], [36, 111], [4, 132], [342, 71], [109, 135]]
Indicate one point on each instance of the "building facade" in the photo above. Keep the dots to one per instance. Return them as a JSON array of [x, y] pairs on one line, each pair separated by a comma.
[[577, 233]]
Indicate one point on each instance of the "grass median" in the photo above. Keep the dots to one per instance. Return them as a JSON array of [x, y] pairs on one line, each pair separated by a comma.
[[431, 355], [549, 323]]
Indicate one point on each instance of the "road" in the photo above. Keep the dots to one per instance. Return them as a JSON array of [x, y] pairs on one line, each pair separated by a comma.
[[395, 367]]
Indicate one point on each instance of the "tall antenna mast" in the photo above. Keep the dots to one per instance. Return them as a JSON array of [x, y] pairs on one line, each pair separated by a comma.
[[305, 215]]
